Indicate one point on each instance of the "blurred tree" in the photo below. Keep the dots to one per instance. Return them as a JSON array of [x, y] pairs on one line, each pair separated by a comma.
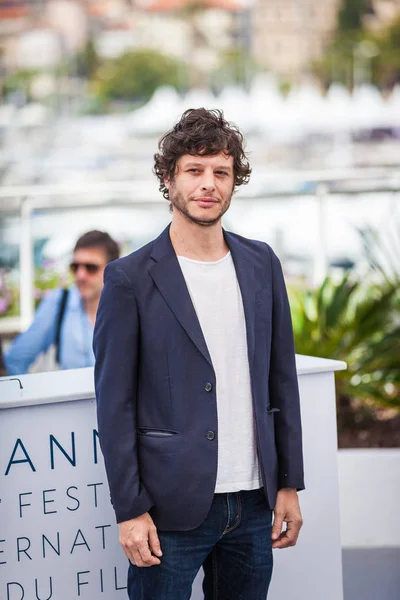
[[236, 67], [338, 61], [336, 65], [285, 85], [136, 75], [386, 62], [351, 15], [87, 61], [19, 81], [381, 66]]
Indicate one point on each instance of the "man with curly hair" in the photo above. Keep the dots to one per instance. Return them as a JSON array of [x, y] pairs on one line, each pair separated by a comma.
[[198, 405]]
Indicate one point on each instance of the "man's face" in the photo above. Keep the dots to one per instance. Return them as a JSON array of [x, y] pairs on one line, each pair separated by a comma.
[[87, 267], [202, 187]]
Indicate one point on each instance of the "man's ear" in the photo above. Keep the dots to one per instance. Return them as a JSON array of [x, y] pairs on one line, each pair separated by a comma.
[[167, 182]]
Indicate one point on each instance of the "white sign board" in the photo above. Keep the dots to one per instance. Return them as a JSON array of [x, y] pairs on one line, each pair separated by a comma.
[[58, 537]]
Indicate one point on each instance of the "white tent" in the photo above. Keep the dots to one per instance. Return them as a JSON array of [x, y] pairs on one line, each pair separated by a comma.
[[158, 115], [368, 108]]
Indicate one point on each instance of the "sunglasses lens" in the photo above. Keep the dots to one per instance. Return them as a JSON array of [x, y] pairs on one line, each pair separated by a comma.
[[92, 268], [89, 267]]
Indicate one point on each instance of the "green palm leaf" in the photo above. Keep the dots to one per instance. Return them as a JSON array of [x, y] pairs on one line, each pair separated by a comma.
[[358, 322]]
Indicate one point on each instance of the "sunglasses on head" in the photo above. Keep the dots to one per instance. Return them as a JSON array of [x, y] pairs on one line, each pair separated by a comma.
[[91, 268]]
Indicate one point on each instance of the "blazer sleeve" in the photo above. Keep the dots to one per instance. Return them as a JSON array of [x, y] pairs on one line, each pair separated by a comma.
[[116, 348], [283, 386]]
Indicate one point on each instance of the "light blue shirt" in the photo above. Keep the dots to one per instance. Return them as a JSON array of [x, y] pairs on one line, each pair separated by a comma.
[[76, 335]]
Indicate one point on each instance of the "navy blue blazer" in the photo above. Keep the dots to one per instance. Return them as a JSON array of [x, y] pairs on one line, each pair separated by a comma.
[[156, 386]]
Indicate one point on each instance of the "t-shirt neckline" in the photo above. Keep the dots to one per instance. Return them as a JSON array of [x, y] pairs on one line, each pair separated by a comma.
[[205, 262]]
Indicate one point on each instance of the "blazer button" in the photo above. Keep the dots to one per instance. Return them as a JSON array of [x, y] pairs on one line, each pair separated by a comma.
[[208, 387], [210, 435]]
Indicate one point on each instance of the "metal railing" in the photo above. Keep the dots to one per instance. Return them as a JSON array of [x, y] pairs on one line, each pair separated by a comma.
[[27, 199]]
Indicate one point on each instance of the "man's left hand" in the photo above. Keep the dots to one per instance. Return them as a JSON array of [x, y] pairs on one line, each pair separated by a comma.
[[286, 510]]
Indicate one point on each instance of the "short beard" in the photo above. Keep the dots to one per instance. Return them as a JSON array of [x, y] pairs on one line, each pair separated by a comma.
[[175, 204]]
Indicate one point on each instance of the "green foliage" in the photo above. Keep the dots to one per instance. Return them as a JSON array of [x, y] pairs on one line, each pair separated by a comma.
[[45, 279], [337, 63], [87, 61], [285, 85], [13, 309], [351, 14], [136, 75], [376, 53], [19, 80], [357, 322], [382, 250], [236, 67], [386, 62]]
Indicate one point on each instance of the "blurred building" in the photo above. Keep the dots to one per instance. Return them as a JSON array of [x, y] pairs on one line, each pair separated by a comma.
[[383, 13], [197, 32], [289, 34], [15, 18], [284, 36], [39, 34]]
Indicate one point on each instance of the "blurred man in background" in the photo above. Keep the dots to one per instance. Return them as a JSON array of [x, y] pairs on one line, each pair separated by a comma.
[[65, 319], [2, 364]]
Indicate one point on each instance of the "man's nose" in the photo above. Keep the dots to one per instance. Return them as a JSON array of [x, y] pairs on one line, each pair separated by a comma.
[[80, 272], [208, 181]]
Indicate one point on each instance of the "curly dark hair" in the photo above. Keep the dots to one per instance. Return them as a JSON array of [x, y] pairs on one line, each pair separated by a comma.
[[201, 132]]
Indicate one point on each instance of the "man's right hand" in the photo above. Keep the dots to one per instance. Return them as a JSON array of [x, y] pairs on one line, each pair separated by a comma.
[[138, 537]]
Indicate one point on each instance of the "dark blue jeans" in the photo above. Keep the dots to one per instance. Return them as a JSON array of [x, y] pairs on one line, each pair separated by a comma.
[[233, 544]]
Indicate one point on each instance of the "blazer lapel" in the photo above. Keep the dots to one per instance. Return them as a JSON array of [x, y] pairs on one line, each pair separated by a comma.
[[167, 276], [245, 273]]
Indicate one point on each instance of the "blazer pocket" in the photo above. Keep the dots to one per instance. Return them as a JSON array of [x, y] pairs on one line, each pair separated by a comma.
[[156, 432], [271, 411]]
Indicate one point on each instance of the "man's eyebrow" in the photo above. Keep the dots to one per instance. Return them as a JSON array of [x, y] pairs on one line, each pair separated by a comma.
[[224, 167], [198, 164]]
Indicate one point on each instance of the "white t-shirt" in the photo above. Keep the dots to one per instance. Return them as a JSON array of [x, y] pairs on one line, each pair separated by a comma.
[[216, 296]]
